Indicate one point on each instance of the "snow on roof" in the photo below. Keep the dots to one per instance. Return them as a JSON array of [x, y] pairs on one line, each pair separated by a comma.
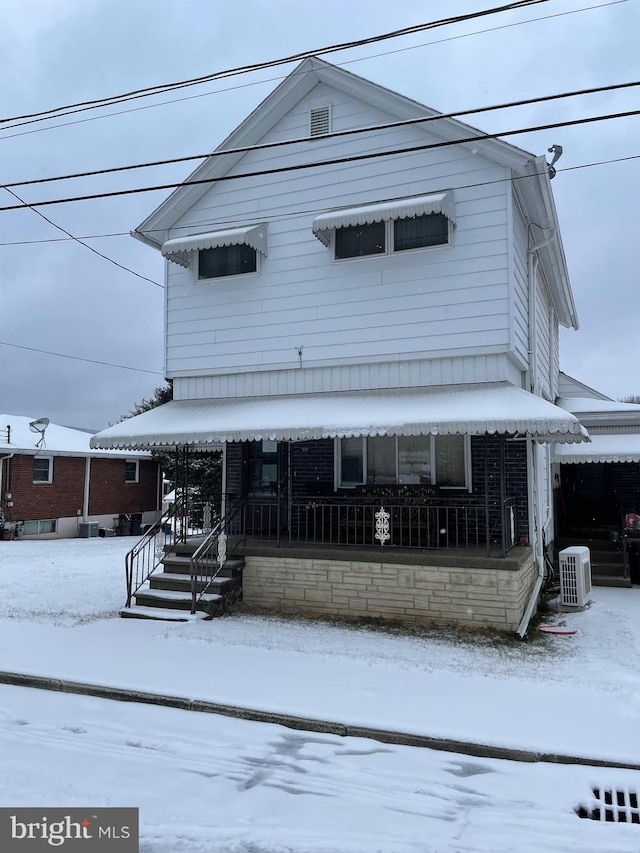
[[474, 410], [624, 447], [58, 440], [590, 404]]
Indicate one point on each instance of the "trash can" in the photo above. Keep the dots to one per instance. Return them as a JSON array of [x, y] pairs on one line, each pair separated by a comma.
[[136, 527]]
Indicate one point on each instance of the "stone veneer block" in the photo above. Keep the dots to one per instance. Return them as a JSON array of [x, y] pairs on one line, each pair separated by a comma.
[[488, 596]]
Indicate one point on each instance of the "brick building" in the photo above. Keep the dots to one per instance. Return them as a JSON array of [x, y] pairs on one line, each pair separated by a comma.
[[51, 481]]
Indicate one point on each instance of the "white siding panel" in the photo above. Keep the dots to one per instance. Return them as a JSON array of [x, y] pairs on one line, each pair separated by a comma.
[[408, 373], [520, 284], [543, 343], [445, 300]]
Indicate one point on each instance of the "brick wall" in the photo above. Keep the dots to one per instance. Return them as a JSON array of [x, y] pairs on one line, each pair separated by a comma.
[[109, 494], [479, 597], [61, 498]]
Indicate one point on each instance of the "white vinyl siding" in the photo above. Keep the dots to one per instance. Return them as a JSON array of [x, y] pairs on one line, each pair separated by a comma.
[[520, 292], [544, 354], [444, 302]]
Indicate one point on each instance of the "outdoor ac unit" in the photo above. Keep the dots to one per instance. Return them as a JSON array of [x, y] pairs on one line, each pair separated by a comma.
[[87, 529], [575, 576]]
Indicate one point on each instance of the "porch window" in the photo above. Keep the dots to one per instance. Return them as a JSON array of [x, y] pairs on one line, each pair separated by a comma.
[[442, 460], [42, 469]]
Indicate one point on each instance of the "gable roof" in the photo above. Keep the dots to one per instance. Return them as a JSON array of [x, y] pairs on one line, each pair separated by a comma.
[[533, 187]]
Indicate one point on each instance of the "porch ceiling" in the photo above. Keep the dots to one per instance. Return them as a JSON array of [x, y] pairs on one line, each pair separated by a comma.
[[473, 410], [624, 447]]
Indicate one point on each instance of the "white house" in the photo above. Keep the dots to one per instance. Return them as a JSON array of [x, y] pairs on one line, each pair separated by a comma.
[[362, 310]]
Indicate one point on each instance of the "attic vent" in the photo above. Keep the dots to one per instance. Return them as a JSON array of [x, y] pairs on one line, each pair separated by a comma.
[[320, 121]]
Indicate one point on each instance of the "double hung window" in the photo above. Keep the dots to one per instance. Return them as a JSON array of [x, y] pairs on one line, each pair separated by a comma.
[[42, 469], [223, 261]]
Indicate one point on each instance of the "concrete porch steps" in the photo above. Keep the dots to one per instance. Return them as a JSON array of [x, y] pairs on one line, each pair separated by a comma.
[[167, 593]]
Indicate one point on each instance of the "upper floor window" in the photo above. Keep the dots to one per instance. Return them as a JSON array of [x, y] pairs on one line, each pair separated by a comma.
[[131, 471], [227, 260], [396, 226], [42, 469], [220, 254]]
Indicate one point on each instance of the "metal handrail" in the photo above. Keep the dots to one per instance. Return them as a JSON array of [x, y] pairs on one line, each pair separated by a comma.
[[148, 553], [210, 556]]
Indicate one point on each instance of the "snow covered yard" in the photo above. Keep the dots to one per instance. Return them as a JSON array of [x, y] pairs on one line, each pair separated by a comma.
[[206, 783]]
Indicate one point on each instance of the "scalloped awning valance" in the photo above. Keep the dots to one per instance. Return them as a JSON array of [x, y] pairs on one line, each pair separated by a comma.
[[473, 410], [623, 447], [404, 208], [178, 249]]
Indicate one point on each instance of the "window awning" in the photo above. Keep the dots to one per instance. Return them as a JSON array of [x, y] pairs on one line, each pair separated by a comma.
[[623, 447], [178, 249], [476, 410], [404, 208]]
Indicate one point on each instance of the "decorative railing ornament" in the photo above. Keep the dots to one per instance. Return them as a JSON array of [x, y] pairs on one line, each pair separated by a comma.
[[222, 549], [382, 533]]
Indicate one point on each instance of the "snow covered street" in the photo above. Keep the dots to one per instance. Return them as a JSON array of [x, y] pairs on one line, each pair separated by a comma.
[[206, 783]]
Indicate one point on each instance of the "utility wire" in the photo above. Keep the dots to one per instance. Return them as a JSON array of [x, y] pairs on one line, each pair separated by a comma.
[[297, 213], [281, 77], [306, 211], [333, 162], [294, 57], [81, 242], [79, 358], [328, 136]]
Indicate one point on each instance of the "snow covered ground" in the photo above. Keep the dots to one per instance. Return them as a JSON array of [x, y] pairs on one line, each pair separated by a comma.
[[206, 784]]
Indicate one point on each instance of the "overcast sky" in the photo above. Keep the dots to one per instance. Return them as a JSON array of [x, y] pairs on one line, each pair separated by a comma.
[[60, 297]]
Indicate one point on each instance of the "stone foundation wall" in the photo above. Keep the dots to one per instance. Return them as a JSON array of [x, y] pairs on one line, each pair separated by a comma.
[[478, 597]]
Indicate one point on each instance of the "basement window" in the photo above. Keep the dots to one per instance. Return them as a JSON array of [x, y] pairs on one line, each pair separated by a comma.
[[38, 528]]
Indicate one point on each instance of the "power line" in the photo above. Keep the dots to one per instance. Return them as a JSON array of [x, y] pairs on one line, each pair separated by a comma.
[[81, 242], [306, 211], [244, 69], [79, 358], [281, 77], [328, 136], [335, 161]]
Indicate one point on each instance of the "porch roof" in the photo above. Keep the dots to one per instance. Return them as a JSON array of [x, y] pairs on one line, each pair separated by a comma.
[[475, 409], [623, 447]]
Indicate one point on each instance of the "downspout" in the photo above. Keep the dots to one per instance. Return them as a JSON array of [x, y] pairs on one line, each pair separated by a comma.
[[535, 538], [87, 479], [535, 530]]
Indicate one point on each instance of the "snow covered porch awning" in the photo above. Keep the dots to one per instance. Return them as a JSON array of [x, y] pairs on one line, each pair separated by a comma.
[[623, 447], [367, 214], [473, 410], [178, 249]]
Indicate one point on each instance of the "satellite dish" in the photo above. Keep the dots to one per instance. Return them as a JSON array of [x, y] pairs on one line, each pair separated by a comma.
[[39, 426]]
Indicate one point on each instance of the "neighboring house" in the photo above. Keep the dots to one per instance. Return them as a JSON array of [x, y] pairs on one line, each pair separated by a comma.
[[374, 333], [51, 481], [598, 497]]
